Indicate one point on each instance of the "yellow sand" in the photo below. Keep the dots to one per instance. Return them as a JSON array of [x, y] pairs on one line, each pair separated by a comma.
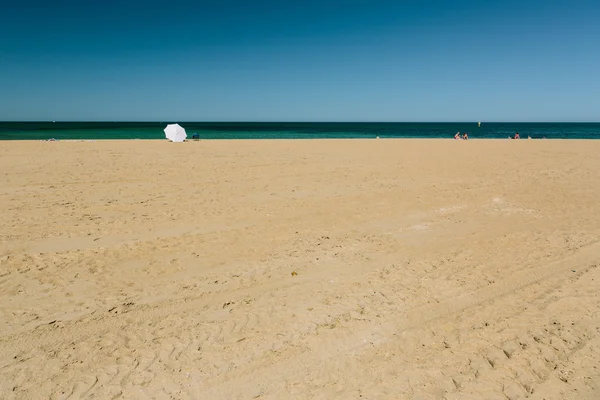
[[326, 269]]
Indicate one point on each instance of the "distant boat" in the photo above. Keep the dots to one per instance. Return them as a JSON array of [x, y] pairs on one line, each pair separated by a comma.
[[479, 124]]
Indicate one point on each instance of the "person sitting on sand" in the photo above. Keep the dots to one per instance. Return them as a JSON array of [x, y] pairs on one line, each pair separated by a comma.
[[457, 136], [465, 136], [517, 136]]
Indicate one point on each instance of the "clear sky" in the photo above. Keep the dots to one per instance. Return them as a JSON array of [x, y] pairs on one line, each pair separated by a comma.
[[308, 60]]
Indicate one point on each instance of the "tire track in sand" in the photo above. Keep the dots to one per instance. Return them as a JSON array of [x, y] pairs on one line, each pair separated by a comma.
[[255, 377]]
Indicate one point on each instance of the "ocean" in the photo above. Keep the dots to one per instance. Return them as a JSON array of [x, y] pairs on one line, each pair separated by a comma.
[[294, 130]]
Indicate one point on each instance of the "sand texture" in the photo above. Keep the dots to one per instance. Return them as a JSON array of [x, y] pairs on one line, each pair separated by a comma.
[[325, 269]]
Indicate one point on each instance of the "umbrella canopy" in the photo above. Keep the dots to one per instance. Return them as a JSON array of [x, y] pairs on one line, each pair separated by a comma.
[[175, 133]]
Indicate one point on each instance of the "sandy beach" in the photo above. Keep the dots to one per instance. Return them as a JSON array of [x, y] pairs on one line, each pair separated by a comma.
[[324, 269]]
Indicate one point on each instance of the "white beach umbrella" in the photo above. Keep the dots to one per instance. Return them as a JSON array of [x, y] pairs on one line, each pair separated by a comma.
[[175, 133]]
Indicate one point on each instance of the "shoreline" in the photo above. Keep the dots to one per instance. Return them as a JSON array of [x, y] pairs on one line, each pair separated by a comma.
[[298, 139]]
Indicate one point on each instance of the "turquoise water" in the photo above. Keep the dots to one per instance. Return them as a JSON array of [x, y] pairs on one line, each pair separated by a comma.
[[289, 130]]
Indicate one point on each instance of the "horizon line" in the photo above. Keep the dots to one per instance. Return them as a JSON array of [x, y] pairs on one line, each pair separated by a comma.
[[299, 122]]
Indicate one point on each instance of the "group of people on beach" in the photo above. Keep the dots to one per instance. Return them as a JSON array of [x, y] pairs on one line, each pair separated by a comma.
[[517, 136], [464, 136]]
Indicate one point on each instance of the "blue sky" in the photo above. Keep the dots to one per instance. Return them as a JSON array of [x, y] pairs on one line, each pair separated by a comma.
[[353, 60]]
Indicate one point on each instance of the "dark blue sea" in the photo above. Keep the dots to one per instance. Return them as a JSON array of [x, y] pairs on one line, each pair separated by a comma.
[[294, 130]]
